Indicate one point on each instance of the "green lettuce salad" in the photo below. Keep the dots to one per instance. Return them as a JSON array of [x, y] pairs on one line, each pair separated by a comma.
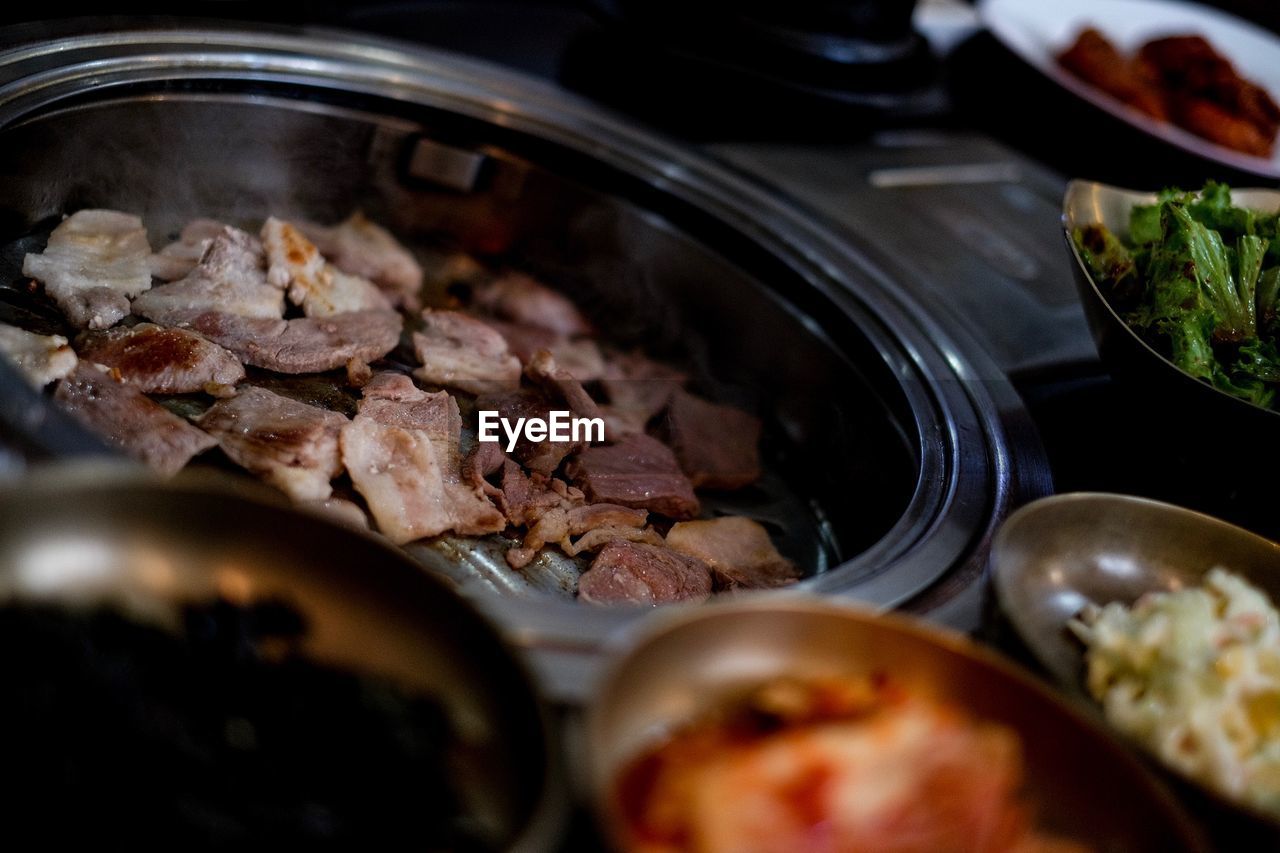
[[1199, 279]]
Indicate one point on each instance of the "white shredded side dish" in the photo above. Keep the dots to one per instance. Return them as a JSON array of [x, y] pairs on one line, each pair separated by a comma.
[[1195, 676]]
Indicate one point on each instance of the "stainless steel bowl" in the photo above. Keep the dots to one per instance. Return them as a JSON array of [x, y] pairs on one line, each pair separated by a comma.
[[1058, 554], [104, 534], [1129, 357], [1082, 781], [896, 447]]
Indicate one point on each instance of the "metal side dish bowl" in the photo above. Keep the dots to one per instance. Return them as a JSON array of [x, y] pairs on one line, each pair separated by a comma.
[[1060, 555], [683, 667], [89, 536], [1124, 352]]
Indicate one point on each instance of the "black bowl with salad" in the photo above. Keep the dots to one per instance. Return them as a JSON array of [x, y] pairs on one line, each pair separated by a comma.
[[1182, 292]]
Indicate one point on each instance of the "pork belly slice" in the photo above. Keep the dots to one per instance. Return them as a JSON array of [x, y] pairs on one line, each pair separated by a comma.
[[581, 357], [461, 352], [129, 420], [363, 248], [291, 445], [637, 471], [542, 457], [401, 451], [323, 290], [717, 446], [162, 361], [96, 260], [640, 573], [230, 278], [304, 344], [738, 550], [179, 258], [41, 358], [393, 399], [518, 298]]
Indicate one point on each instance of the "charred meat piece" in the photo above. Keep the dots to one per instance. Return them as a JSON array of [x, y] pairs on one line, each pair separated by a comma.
[[95, 262], [543, 457], [291, 445], [41, 358], [461, 352], [637, 471], [230, 278], [362, 248], [737, 549], [160, 360], [323, 290], [180, 257], [639, 573], [518, 298], [129, 420], [401, 451], [304, 344], [1096, 60], [717, 446]]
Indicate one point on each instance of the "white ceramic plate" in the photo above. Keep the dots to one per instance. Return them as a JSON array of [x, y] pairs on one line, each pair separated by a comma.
[[1038, 30]]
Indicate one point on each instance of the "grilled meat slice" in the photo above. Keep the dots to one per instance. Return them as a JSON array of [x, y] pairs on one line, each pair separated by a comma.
[[291, 445], [361, 248], [304, 344], [543, 370], [595, 525], [230, 279], [640, 573], [401, 451], [738, 550], [581, 357], [519, 298], [461, 352], [128, 419], [95, 262], [160, 360], [717, 446], [637, 471], [42, 358], [323, 290], [179, 258]]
